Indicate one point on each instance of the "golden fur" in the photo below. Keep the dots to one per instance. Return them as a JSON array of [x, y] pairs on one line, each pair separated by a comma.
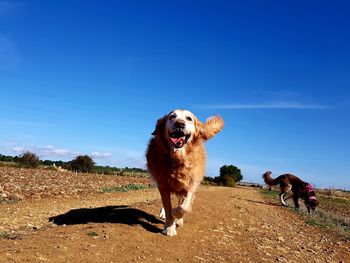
[[178, 165]]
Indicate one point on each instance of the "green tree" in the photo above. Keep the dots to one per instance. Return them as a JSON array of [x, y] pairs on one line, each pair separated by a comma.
[[47, 162], [6, 158], [82, 163], [229, 175], [29, 159]]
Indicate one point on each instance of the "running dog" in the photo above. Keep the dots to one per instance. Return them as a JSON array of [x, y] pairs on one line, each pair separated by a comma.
[[176, 159]]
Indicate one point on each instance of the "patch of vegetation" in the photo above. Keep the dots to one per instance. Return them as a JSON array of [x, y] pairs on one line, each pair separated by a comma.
[[92, 234], [6, 235], [209, 181], [270, 193], [230, 175], [11, 200], [82, 163], [138, 172], [124, 188], [332, 200], [8, 158], [313, 222], [8, 164], [334, 192], [29, 159], [333, 213]]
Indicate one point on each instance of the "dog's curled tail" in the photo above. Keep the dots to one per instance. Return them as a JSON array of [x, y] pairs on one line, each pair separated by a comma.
[[268, 180], [212, 126]]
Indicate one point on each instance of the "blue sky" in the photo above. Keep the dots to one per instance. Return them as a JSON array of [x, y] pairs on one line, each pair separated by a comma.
[[92, 77]]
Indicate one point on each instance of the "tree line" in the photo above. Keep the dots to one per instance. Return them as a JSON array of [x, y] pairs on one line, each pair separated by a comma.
[[230, 175], [81, 164]]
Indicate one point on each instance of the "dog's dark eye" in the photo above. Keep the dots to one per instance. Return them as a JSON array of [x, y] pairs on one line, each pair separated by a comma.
[[189, 118], [172, 116]]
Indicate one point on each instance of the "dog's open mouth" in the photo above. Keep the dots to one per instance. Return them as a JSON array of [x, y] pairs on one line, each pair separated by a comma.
[[178, 139]]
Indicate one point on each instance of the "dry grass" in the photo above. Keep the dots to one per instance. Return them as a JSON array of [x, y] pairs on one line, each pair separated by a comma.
[[334, 193], [332, 214]]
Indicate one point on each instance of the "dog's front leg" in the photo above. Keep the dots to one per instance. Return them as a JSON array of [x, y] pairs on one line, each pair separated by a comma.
[[282, 199], [170, 226], [185, 206], [308, 208]]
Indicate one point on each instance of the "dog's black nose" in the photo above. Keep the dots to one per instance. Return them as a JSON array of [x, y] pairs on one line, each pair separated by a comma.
[[179, 124]]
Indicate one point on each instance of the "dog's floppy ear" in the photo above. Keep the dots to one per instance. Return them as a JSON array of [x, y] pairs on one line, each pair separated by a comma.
[[160, 125], [212, 126]]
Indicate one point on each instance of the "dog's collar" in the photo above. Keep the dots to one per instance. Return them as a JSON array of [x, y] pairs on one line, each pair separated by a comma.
[[309, 188], [312, 197]]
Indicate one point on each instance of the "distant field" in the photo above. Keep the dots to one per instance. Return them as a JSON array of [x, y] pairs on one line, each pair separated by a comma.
[[20, 183], [332, 214]]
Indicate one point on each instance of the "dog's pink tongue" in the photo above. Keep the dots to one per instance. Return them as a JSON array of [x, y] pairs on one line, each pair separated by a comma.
[[177, 141]]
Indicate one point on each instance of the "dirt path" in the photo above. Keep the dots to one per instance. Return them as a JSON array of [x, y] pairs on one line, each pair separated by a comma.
[[227, 225]]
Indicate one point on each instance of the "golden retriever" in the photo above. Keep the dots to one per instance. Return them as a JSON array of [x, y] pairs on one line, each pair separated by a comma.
[[176, 159]]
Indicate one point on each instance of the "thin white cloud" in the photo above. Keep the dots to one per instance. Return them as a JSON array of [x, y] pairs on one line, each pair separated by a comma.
[[100, 155], [49, 150], [18, 149], [269, 105], [44, 152], [52, 153]]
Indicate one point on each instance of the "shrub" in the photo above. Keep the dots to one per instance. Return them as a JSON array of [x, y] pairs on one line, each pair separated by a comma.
[[29, 159], [82, 163], [229, 176], [227, 180]]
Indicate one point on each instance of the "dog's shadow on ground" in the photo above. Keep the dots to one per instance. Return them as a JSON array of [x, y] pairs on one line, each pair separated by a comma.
[[109, 214]]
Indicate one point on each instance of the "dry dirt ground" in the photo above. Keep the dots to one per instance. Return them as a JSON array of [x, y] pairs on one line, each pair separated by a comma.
[[227, 225]]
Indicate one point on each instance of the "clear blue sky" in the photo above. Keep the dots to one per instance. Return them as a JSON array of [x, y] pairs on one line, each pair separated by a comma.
[[92, 77]]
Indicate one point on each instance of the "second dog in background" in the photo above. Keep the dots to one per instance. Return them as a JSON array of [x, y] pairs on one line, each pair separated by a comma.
[[299, 188]]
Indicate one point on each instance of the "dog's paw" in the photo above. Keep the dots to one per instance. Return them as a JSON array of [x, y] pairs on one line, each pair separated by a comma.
[[170, 230], [161, 213], [178, 212], [179, 222]]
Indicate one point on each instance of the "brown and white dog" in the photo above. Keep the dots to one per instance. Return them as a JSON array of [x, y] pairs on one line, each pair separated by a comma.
[[176, 159], [299, 188]]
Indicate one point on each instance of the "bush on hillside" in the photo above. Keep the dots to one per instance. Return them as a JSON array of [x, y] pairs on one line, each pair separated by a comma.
[[81, 164], [229, 176], [29, 159]]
